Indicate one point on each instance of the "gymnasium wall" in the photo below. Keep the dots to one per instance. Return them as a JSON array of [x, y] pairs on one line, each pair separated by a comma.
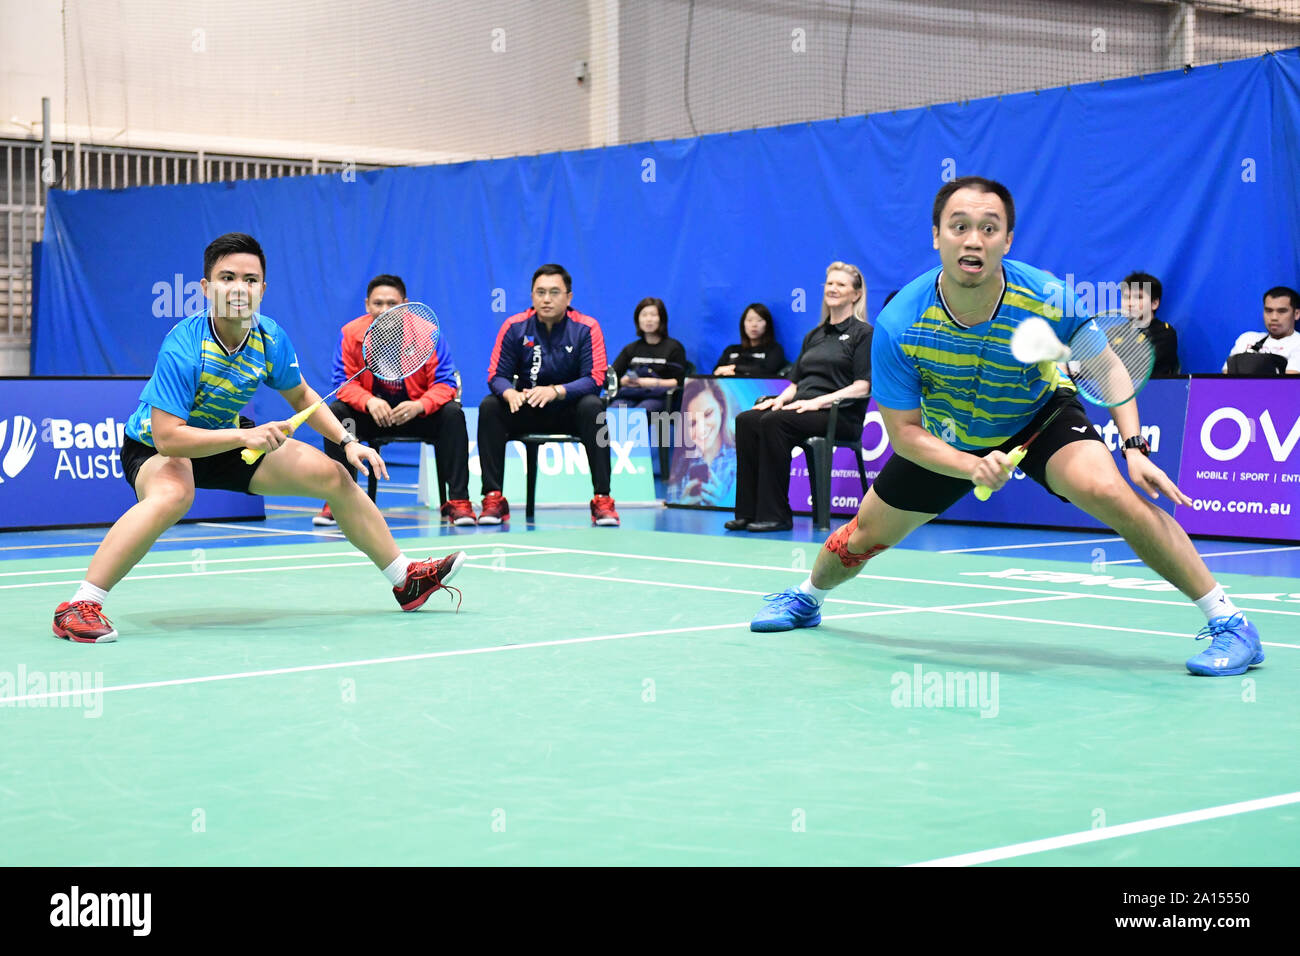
[[1187, 175]]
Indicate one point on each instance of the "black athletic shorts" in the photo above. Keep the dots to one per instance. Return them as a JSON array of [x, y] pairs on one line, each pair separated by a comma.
[[907, 486], [225, 471]]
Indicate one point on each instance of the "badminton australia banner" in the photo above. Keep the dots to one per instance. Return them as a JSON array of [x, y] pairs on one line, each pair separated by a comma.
[[60, 455], [1241, 467]]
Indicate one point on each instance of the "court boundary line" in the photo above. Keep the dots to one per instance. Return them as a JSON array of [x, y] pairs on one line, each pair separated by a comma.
[[1042, 544], [1044, 595], [883, 577], [260, 557], [433, 655], [1112, 832]]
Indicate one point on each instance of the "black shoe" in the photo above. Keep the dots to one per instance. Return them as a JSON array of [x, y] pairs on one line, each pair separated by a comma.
[[759, 527], [737, 524]]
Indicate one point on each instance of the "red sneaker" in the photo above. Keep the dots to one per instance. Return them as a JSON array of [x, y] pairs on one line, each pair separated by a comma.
[[83, 622], [459, 512], [325, 519], [423, 578], [602, 511], [495, 509]]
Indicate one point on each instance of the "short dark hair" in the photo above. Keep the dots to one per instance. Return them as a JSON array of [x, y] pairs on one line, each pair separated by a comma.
[[385, 279], [228, 245], [554, 269], [981, 184], [769, 330], [1284, 290], [1145, 279], [663, 316]]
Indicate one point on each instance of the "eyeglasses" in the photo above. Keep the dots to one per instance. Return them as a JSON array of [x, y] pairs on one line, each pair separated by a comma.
[[549, 293]]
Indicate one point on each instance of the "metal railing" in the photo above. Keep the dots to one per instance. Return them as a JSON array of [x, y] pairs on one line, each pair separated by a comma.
[[75, 166]]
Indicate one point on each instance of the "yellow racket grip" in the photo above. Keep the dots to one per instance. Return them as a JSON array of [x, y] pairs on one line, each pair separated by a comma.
[[250, 456], [1015, 456]]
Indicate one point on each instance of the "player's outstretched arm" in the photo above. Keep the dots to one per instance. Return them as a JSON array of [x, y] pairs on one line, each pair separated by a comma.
[[1142, 471]]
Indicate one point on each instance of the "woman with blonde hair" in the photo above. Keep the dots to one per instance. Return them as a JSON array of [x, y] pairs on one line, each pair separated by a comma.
[[834, 363]]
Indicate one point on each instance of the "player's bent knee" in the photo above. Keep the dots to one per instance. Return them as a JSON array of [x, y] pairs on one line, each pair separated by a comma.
[[838, 544]]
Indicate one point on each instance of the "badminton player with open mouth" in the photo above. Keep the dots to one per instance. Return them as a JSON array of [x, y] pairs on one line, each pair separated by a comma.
[[967, 374], [186, 433]]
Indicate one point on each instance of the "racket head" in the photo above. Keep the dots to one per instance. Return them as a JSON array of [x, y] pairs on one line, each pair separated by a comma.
[[400, 341], [1110, 359]]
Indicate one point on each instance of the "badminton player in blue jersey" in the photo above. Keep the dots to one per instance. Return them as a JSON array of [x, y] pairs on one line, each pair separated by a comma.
[[954, 403], [186, 433]]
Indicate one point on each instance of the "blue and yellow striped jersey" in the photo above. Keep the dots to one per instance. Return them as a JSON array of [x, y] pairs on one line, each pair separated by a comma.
[[195, 379], [971, 391]]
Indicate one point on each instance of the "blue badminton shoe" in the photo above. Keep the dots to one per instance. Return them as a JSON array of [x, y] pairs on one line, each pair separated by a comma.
[[1234, 647], [787, 610]]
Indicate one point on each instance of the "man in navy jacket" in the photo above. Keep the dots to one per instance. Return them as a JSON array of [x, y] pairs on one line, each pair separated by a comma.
[[545, 375]]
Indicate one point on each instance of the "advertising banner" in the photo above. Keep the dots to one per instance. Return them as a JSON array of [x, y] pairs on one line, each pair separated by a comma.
[[703, 470], [1240, 466], [564, 476], [1161, 407], [60, 455]]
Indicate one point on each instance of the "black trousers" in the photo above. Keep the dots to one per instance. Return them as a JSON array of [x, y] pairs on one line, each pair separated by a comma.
[[496, 426], [444, 430], [764, 440]]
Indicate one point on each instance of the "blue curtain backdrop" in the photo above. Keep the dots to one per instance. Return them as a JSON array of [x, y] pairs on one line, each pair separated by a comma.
[[1191, 176]]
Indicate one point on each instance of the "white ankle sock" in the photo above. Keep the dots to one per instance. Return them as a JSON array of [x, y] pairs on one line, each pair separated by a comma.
[[816, 593], [88, 592], [396, 572], [1216, 604]]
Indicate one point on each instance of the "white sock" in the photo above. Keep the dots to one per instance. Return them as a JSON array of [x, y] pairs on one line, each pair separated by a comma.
[[396, 572], [816, 593], [1216, 604], [88, 592]]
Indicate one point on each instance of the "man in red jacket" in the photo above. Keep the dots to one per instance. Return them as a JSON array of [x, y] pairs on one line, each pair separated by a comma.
[[420, 406]]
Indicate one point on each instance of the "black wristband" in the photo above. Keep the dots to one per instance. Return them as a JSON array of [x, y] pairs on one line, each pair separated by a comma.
[[1140, 443]]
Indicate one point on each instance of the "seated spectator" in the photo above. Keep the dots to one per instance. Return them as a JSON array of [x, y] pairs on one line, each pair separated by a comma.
[[546, 372], [1278, 350], [652, 364], [420, 406], [705, 472], [758, 354], [1140, 298], [834, 363]]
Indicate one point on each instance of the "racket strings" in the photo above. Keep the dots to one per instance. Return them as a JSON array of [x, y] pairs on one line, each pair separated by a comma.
[[400, 341], [1110, 360]]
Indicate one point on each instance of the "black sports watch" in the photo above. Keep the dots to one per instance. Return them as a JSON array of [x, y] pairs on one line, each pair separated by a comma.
[[1140, 443]]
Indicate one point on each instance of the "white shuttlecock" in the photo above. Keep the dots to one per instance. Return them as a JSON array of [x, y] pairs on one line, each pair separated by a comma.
[[1033, 341]]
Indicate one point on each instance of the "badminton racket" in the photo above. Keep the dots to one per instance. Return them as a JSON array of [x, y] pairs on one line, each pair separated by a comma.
[[1108, 361], [398, 343]]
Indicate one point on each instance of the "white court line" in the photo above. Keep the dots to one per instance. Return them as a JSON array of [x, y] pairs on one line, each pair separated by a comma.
[[1111, 833], [1043, 544], [1220, 554], [884, 577], [243, 527], [308, 668], [533, 549], [1045, 595], [200, 574]]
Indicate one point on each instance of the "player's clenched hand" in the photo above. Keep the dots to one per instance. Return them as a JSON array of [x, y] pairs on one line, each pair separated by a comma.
[[359, 456], [514, 399], [1151, 478], [266, 437], [992, 471]]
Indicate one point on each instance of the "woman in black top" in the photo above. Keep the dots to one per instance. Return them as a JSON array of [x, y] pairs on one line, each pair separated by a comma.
[[758, 354], [652, 364], [834, 363]]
